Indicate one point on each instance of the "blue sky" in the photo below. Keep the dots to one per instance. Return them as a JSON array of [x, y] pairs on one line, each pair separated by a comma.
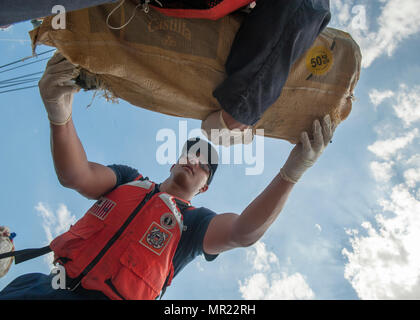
[[351, 226]]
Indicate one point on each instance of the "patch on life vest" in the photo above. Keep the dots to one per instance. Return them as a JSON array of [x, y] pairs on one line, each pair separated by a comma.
[[319, 60], [102, 207], [156, 238], [167, 221]]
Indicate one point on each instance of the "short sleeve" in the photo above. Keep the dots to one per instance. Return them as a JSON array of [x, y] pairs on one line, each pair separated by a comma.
[[196, 221], [201, 230], [124, 173], [202, 216]]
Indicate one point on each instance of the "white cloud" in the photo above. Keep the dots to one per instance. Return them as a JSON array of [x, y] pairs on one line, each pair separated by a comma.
[[382, 171], [385, 264], [405, 102], [343, 12], [262, 260], [384, 260], [269, 283], [261, 286], [377, 97], [318, 227], [414, 160], [385, 149], [412, 174], [54, 224], [407, 105], [412, 177], [396, 23]]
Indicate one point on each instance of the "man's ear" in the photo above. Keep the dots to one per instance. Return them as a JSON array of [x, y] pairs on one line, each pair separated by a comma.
[[204, 189]]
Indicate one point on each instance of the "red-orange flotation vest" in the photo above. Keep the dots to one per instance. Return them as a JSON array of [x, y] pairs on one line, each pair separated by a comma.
[[212, 9], [124, 244]]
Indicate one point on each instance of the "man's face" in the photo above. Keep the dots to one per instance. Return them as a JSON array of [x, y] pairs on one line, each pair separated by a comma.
[[191, 172]]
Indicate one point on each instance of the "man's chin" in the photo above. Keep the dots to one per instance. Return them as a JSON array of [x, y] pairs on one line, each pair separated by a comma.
[[182, 179]]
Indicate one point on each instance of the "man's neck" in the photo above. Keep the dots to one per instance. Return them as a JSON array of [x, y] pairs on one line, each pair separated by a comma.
[[174, 189]]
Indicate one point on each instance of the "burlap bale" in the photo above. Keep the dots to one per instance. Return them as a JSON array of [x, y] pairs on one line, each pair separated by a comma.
[[173, 65]]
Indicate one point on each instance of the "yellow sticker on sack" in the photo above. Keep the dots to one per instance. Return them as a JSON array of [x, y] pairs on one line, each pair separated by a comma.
[[319, 60]]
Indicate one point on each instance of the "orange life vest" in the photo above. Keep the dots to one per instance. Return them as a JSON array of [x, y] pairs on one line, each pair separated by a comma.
[[212, 9], [125, 243]]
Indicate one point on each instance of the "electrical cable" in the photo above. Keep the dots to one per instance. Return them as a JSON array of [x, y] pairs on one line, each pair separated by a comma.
[[18, 89], [26, 64], [16, 82], [20, 83], [26, 75], [26, 58]]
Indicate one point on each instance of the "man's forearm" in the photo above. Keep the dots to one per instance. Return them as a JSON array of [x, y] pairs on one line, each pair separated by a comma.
[[73, 169], [262, 212], [69, 157]]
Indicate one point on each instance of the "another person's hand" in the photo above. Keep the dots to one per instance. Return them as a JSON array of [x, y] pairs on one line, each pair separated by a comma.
[[305, 153], [56, 89]]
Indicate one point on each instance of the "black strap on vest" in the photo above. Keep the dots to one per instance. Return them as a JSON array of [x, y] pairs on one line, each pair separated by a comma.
[[26, 254], [182, 206]]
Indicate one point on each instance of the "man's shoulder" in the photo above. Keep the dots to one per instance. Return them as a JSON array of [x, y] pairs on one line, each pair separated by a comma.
[[200, 210], [124, 173], [198, 214]]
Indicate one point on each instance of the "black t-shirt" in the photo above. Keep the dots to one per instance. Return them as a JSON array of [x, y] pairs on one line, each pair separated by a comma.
[[196, 222]]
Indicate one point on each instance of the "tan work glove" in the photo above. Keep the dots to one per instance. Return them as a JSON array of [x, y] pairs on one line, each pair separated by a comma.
[[305, 154], [222, 135], [6, 245], [57, 90]]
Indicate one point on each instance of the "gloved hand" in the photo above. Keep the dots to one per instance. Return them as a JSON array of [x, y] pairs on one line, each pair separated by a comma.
[[57, 90], [305, 154], [222, 135], [6, 245]]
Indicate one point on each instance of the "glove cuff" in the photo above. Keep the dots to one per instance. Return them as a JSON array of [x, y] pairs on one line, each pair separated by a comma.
[[60, 123], [284, 176]]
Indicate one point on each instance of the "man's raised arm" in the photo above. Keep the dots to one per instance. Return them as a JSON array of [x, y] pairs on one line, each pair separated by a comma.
[[71, 165], [229, 230]]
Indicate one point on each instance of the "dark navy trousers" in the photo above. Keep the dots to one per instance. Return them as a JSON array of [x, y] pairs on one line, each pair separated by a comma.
[[271, 38]]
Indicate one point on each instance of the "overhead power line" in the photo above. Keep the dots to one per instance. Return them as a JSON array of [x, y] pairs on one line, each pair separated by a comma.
[[18, 89], [22, 82], [20, 77], [23, 65], [26, 58]]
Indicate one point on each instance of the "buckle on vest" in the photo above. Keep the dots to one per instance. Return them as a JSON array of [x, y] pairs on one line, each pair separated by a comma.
[[71, 285]]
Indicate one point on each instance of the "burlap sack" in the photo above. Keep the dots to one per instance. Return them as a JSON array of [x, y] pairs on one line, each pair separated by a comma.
[[172, 65]]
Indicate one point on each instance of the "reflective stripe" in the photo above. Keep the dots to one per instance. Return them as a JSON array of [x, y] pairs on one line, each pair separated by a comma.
[[145, 184]]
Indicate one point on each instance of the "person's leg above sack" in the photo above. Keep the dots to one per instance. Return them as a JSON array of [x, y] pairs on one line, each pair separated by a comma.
[[271, 38]]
